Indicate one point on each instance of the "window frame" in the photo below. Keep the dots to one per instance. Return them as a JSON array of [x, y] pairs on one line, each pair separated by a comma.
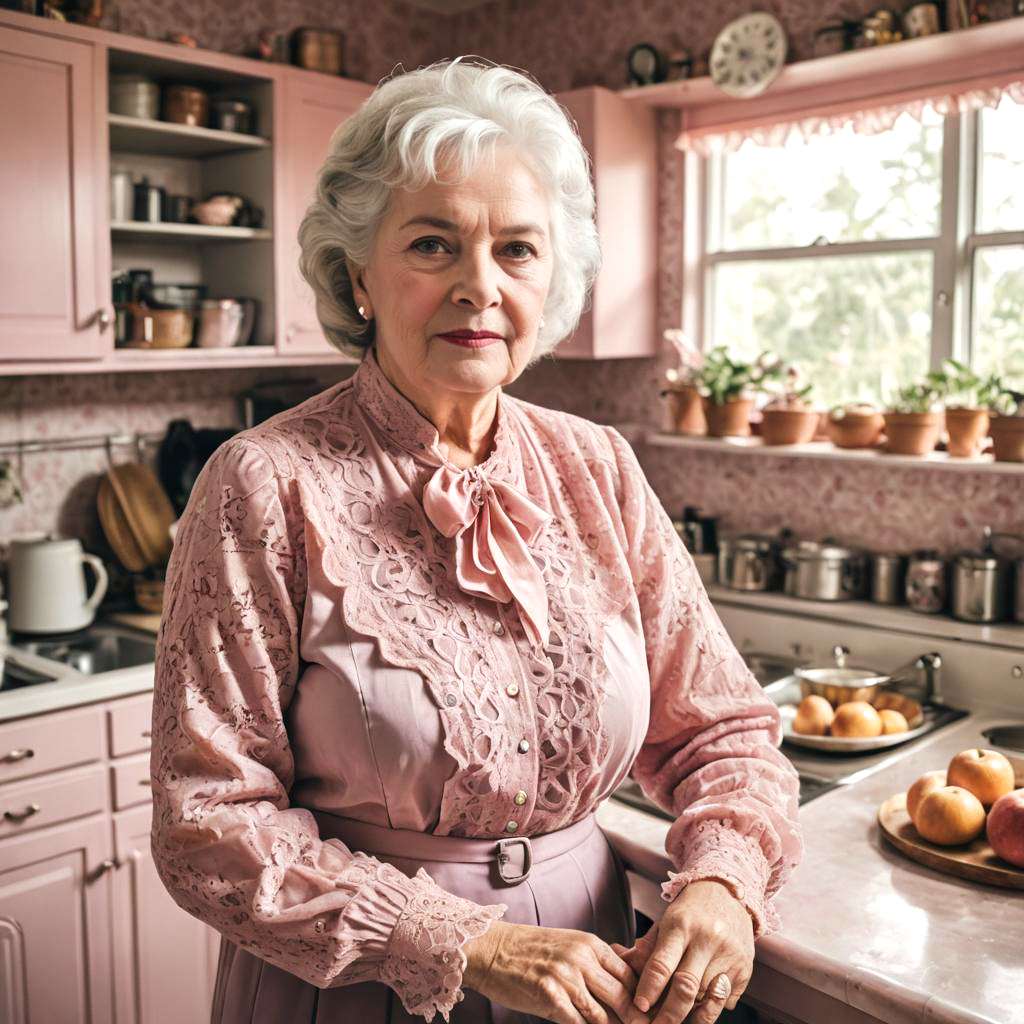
[[953, 249]]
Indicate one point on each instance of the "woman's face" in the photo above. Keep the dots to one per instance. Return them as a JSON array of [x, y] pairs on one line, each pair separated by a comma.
[[468, 257]]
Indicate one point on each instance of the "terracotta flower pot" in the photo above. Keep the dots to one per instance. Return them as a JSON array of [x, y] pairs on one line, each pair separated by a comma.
[[729, 420], [686, 410], [788, 426], [912, 433], [967, 429], [855, 429], [1007, 434]]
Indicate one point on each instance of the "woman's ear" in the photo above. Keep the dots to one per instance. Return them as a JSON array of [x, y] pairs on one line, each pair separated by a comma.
[[359, 293]]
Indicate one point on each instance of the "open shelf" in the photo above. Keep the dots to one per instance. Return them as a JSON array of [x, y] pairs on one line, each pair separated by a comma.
[[867, 613], [240, 356], [825, 450], [149, 231], [164, 138]]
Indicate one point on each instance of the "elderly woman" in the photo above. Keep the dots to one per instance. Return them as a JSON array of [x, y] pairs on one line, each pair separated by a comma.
[[415, 631]]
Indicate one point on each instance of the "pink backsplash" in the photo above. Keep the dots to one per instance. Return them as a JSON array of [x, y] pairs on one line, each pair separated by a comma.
[[564, 45]]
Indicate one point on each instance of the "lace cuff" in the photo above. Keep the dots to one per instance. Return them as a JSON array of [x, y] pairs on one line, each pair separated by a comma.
[[424, 962], [715, 851]]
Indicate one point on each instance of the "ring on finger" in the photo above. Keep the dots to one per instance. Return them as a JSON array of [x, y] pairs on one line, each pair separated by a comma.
[[720, 988]]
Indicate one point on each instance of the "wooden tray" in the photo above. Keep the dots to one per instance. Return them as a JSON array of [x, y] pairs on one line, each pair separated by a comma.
[[975, 862]]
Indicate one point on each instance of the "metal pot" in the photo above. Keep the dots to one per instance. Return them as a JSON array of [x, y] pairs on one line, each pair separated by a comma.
[[888, 577], [981, 586], [926, 582], [749, 562], [840, 683], [824, 572]]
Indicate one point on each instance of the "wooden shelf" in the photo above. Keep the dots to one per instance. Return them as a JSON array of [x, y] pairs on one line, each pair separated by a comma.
[[164, 138], [754, 446], [150, 231], [867, 613], [239, 357]]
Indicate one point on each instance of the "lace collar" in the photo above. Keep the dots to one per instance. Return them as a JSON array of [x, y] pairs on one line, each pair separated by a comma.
[[402, 423]]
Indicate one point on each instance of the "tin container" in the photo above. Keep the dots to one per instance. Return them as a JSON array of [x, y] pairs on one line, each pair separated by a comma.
[[888, 577], [926, 584]]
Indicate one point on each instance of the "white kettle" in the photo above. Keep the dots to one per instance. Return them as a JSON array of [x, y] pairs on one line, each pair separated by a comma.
[[46, 585]]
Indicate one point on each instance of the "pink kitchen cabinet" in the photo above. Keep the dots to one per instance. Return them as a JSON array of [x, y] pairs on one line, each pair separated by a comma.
[[308, 108], [55, 926], [622, 143], [166, 960], [53, 201]]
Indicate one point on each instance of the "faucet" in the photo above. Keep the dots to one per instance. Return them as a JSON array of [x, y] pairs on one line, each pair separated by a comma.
[[920, 678]]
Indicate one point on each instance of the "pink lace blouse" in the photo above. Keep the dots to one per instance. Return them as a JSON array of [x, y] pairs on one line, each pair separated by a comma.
[[354, 625]]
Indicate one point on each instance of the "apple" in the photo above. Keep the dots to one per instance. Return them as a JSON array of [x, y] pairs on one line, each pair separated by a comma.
[[813, 716], [950, 816], [921, 788], [1005, 829], [986, 773], [856, 718], [892, 721]]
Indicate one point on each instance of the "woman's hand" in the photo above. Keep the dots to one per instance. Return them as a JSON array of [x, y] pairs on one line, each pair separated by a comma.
[[704, 932], [565, 976]]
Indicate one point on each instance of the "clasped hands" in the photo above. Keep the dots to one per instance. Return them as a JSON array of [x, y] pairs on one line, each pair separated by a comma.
[[670, 975]]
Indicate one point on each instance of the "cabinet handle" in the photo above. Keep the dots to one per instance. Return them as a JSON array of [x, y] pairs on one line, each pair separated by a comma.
[[146, 733], [17, 755], [145, 782], [103, 868], [103, 318], [22, 815]]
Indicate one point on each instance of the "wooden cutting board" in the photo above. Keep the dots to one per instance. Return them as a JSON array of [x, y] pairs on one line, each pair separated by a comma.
[[150, 622], [975, 862]]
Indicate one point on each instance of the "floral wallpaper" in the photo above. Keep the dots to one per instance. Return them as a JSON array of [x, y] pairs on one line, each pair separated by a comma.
[[564, 45]]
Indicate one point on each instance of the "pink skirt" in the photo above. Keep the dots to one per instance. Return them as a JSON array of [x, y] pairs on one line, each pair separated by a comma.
[[575, 880]]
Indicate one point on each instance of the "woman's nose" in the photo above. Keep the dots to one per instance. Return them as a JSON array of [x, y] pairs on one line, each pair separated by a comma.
[[477, 283]]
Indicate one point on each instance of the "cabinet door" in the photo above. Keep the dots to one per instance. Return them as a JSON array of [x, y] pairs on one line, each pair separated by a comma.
[[53, 206], [621, 139], [166, 960], [55, 926], [309, 110]]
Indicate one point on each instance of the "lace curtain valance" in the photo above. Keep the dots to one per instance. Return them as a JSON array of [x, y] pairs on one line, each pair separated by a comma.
[[868, 117]]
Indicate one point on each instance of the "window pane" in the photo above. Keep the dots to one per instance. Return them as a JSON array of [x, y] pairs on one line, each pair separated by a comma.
[[858, 326], [845, 187], [999, 313], [1000, 196]]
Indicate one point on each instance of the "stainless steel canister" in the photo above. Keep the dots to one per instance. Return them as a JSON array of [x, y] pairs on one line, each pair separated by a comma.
[[749, 562], [823, 572], [122, 196], [926, 585], [888, 577], [981, 587]]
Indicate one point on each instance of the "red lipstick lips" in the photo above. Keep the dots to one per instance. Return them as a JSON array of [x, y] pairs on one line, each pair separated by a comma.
[[471, 339]]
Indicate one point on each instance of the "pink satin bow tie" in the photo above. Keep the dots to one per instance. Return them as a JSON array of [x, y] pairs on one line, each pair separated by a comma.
[[492, 524]]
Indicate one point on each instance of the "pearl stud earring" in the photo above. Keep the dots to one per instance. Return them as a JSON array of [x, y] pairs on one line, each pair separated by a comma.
[[362, 312]]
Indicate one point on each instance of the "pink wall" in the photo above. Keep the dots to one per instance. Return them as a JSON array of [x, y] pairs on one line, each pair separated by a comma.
[[568, 44]]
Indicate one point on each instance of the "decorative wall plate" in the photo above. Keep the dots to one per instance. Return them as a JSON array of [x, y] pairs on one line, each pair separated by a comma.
[[748, 53]]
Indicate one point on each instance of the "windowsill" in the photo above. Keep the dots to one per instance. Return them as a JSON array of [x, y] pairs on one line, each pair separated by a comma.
[[754, 446]]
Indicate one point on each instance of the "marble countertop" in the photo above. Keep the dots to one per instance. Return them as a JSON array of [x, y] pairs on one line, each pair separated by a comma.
[[869, 927]]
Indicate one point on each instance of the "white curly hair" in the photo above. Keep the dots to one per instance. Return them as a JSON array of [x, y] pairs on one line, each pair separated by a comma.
[[448, 114]]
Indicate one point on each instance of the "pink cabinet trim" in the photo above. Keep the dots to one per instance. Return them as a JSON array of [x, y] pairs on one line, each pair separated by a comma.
[[46, 743]]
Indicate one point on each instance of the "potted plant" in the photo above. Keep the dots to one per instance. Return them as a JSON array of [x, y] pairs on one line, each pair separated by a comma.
[[969, 399], [914, 420], [728, 386], [685, 406], [788, 418], [855, 425], [1007, 426]]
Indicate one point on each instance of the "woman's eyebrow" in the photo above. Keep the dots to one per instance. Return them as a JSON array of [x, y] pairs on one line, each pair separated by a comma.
[[447, 225]]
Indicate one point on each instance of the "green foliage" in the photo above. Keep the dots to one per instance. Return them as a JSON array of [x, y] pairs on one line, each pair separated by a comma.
[[921, 396], [960, 386], [723, 378]]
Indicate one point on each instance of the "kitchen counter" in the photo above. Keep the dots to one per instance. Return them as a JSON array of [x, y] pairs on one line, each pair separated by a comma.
[[865, 927]]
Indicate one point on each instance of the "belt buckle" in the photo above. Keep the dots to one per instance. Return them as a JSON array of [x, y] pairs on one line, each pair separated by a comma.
[[504, 858]]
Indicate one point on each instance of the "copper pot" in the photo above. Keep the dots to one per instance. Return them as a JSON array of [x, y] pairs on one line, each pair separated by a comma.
[[186, 104], [729, 420]]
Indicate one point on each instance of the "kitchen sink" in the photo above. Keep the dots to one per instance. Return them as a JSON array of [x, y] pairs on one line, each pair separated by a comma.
[[98, 648]]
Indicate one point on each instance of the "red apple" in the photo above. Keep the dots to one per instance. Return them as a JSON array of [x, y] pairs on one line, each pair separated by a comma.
[[985, 773], [1005, 829]]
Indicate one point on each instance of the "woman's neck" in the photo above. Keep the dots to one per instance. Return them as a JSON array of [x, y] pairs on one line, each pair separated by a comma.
[[465, 423]]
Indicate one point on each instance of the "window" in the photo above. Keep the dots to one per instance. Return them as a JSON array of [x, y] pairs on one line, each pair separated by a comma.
[[844, 253]]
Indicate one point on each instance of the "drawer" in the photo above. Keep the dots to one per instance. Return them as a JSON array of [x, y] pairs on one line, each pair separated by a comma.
[[46, 743], [131, 782], [130, 722], [32, 805]]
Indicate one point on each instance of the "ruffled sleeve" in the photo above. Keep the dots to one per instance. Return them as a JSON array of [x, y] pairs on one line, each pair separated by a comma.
[[711, 752], [226, 844]]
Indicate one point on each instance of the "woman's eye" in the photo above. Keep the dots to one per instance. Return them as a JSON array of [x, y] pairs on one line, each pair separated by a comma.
[[519, 250], [428, 246]]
